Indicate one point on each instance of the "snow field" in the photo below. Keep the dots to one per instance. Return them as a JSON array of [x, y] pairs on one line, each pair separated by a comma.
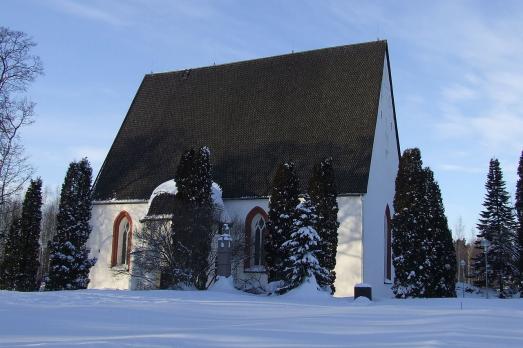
[[223, 317]]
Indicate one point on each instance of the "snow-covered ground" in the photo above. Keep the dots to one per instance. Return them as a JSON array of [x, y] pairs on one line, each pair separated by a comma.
[[226, 318]]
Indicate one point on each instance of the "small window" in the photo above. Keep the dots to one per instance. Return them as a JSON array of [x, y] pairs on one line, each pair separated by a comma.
[[257, 240], [255, 230], [121, 240], [387, 227]]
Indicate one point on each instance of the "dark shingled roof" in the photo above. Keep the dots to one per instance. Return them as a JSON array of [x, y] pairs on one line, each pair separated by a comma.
[[252, 115]]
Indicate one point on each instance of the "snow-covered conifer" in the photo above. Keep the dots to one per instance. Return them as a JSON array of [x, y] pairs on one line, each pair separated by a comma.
[[422, 246], [322, 191], [10, 264], [20, 268], [282, 206], [69, 257], [498, 226], [519, 213], [440, 261], [302, 249], [30, 234], [410, 244], [192, 222]]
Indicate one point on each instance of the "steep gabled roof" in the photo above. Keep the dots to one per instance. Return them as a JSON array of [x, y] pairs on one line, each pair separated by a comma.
[[252, 115]]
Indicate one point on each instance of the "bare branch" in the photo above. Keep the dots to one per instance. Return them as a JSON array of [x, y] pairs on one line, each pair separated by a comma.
[[18, 68]]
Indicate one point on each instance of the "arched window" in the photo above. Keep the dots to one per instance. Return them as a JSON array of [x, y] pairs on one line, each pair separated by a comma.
[[122, 234], [255, 230], [388, 245]]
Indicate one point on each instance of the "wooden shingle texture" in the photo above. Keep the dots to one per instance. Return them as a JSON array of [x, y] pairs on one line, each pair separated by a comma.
[[252, 115]]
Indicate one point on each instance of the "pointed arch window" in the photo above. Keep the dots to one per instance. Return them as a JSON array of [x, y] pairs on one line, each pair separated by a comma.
[[255, 230], [122, 235], [387, 227], [258, 232]]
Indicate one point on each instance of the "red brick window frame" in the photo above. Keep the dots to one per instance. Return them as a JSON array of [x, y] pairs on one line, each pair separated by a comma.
[[254, 255], [117, 259], [388, 245]]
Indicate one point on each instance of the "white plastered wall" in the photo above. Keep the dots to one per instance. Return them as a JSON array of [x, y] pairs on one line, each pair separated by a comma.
[[380, 192], [100, 242], [348, 255], [348, 258], [238, 210]]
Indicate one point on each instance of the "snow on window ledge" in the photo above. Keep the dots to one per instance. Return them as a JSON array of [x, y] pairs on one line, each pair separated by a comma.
[[120, 268], [255, 269]]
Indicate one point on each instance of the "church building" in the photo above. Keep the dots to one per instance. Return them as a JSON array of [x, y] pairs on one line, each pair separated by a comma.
[[253, 115]]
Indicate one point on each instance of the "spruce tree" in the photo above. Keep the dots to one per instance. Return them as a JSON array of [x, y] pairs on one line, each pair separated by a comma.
[[282, 206], [302, 249], [323, 193], [30, 234], [441, 257], [20, 267], [519, 213], [498, 226], [192, 222], [410, 224], [69, 257], [10, 264]]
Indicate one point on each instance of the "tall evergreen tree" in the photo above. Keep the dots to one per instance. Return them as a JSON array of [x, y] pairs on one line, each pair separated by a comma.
[[21, 264], [410, 243], [30, 235], [302, 249], [441, 257], [203, 218], [69, 257], [192, 222], [322, 192], [282, 207], [10, 264], [498, 226], [519, 213]]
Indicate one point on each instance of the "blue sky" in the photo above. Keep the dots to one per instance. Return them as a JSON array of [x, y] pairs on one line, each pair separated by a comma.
[[456, 69]]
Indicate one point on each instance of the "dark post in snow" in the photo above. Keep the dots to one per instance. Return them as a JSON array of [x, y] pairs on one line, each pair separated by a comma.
[[224, 255], [364, 290]]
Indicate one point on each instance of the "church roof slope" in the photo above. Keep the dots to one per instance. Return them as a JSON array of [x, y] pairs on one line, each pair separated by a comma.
[[252, 115]]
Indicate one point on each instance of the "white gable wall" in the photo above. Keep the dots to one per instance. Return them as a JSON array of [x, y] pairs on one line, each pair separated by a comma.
[[100, 241], [348, 255], [380, 192]]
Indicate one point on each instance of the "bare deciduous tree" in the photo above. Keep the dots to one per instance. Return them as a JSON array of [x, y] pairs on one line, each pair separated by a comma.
[[154, 256], [18, 68]]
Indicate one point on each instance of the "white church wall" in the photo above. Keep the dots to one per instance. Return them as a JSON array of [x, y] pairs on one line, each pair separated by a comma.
[[238, 209], [380, 192], [348, 259], [103, 216], [348, 255]]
